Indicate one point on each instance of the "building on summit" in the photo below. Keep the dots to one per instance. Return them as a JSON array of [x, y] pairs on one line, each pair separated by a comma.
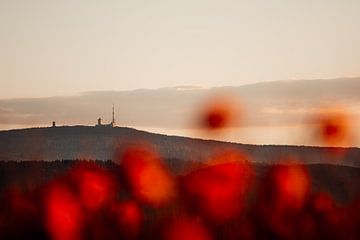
[[111, 124]]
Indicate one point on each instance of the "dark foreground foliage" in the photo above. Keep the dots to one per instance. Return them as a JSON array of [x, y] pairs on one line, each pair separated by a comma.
[[228, 198]]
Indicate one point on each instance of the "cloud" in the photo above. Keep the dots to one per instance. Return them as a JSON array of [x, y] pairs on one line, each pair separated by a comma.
[[265, 104]]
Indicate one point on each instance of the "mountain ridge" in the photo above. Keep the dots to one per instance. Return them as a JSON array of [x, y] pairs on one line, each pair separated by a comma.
[[101, 143]]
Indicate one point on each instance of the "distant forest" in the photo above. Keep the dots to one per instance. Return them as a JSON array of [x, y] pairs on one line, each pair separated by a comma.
[[81, 142], [342, 182]]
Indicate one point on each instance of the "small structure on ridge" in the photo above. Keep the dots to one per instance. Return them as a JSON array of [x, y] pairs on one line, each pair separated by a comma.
[[111, 124]]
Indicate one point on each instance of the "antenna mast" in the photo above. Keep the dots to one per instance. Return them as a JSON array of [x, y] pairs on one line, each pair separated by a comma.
[[113, 115]]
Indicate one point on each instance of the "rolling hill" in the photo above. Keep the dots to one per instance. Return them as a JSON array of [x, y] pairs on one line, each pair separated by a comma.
[[101, 143]]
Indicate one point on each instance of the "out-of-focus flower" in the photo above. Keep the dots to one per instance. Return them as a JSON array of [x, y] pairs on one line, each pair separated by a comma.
[[148, 178], [282, 197], [219, 191], [186, 228], [128, 217], [219, 113], [96, 186], [63, 213], [334, 127]]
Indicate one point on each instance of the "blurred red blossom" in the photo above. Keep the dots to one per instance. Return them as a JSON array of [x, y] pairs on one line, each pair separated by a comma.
[[64, 217], [95, 186], [282, 197], [219, 113], [149, 179], [219, 191], [334, 127], [186, 228], [128, 217]]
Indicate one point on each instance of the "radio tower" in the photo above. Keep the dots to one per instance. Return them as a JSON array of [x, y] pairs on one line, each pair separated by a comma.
[[113, 116]]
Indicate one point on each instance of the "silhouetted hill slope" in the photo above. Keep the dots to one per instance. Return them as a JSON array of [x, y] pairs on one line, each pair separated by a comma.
[[84, 142]]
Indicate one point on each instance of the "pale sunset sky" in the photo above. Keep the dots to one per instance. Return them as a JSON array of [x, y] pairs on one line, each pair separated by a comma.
[[54, 52], [65, 47]]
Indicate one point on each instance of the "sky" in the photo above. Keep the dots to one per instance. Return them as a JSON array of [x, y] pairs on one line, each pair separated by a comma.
[[70, 60], [63, 48]]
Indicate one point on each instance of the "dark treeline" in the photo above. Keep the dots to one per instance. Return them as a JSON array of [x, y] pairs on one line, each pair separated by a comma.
[[25, 192], [342, 182]]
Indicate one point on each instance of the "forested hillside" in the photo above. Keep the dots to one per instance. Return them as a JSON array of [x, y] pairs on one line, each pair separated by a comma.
[[101, 143]]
